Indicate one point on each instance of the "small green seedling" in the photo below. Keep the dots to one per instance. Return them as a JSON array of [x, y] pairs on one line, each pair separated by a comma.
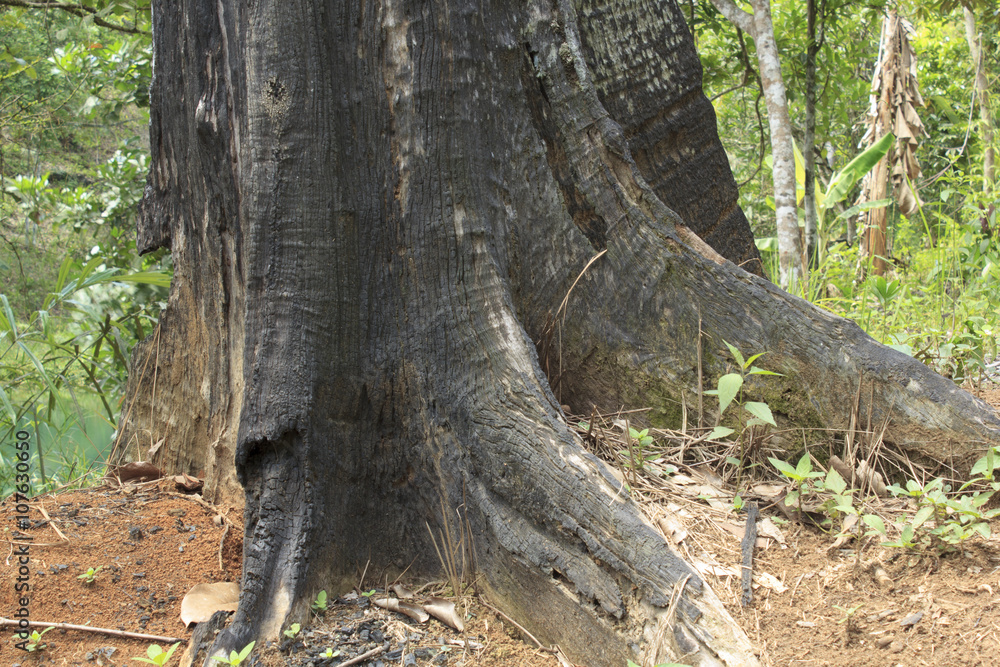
[[90, 575], [368, 594], [848, 613], [638, 441], [236, 659], [330, 653], [35, 640], [157, 656], [292, 631], [886, 292], [730, 388], [906, 539], [738, 502], [801, 475], [319, 604]]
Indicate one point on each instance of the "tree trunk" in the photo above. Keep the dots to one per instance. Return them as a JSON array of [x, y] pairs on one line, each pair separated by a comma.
[[667, 120], [374, 211], [809, 141], [186, 388], [983, 93], [760, 27]]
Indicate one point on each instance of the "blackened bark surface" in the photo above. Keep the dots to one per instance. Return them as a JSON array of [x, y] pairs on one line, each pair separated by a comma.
[[629, 334], [186, 385], [648, 76], [388, 380], [384, 197]]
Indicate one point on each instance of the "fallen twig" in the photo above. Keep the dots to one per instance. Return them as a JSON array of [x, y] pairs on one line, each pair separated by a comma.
[[222, 543], [364, 656], [749, 539], [48, 520], [4, 622]]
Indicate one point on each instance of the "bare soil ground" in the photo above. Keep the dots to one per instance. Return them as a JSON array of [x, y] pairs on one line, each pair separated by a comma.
[[153, 544], [815, 602]]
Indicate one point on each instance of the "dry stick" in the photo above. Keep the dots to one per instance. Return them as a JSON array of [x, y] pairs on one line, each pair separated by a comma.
[[871, 405], [88, 628], [152, 396], [562, 309], [128, 412], [749, 539], [684, 413], [851, 438], [14, 543], [222, 543], [201, 501], [631, 453], [361, 583], [49, 520], [701, 413], [675, 596], [364, 656]]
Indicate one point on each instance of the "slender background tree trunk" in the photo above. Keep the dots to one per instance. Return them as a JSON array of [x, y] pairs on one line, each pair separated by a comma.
[[759, 26], [983, 93], [813, 44]]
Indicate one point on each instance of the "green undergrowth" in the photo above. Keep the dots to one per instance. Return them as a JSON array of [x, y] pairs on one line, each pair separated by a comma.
[[939, 301]]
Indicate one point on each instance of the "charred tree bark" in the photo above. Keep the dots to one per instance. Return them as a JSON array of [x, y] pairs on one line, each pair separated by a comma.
[[648, 76], [186, 387], [374, 209]]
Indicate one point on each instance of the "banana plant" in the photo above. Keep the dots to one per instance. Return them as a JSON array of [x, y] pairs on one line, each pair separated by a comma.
[[841, 183]]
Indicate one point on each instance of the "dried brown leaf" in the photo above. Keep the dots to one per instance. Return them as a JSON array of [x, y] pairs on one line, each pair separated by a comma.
[[444, 611], [203, 600], [401, 591], [155, 448], [141, 471], [411, 610], [188, 483]]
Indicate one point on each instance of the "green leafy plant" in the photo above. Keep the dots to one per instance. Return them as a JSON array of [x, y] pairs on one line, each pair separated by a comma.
[[64, 366], [292, 631], [319, 604], [35, 641], [802, 477], [730, 391], [368, 594], [885, 291], [841, 184], [943, 521], [157, 656], [638, 444], [236, 659], [906, 539], [90, 575], [983, 470], [839, 502]]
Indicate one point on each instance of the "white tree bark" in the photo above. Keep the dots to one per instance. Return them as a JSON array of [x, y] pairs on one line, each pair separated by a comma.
[[983, 92], [759, 26]]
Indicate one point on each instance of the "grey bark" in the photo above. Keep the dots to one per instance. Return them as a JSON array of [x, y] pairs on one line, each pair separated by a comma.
[[759, 26], [972, 37]]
